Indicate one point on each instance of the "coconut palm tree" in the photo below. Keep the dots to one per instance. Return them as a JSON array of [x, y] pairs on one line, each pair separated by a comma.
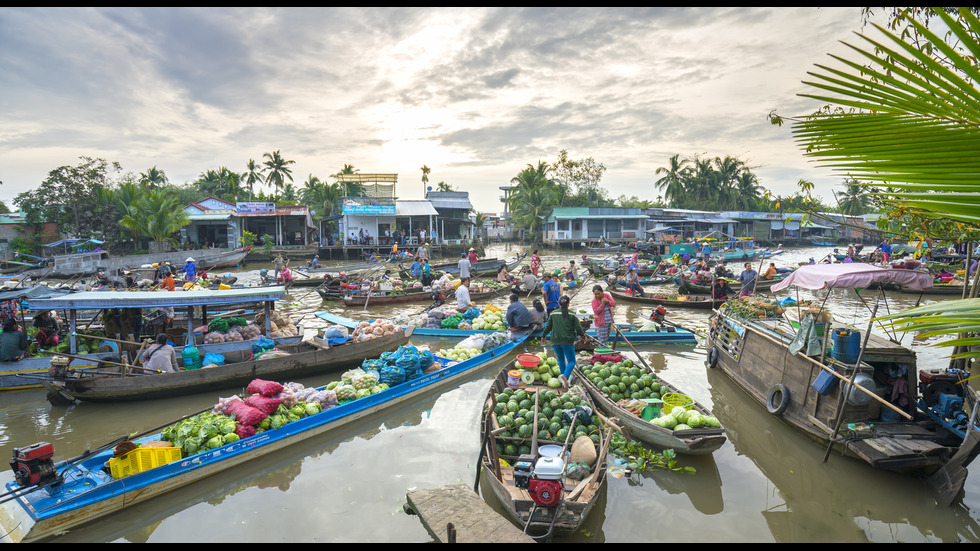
[[278, 170], [252, 176], [910, 117], [854, 200], [155, 215], [532, 199], [672, 183], [425, 178], [153, 178]]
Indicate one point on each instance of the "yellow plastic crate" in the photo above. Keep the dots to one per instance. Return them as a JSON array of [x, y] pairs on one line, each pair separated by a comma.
[[142, 459]]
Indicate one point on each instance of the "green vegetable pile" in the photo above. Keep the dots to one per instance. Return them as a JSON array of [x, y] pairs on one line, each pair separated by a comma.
[[683, 419], [452, 322], [515, 409], [283, 415], [200, 433], [622, 380]]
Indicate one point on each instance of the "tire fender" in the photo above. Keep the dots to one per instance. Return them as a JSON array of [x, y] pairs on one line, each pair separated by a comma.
[[713, 357], [778, 399]]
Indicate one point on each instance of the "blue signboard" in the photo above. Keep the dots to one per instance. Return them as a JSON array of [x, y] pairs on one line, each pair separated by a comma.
[[374, 210]]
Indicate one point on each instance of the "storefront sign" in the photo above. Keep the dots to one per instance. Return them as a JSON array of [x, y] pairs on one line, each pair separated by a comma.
[[255, 208], [373, 210]]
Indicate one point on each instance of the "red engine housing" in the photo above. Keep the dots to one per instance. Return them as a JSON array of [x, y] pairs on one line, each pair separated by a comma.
[[33, 464], [546, 493]]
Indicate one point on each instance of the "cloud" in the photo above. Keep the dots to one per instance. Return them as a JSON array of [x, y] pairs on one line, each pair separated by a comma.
[[475, 93]]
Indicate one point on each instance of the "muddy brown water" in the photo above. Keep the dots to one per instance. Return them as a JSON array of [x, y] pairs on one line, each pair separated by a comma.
[[766, 484]]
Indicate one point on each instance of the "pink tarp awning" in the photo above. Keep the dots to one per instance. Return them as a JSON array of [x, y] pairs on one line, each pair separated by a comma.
[[851, 276]]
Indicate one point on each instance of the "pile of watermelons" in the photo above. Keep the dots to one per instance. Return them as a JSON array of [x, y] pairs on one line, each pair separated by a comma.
[[622, 380], [515, 409]]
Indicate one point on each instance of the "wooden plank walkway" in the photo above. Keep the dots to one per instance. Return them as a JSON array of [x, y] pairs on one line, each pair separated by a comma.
[[472, 520]]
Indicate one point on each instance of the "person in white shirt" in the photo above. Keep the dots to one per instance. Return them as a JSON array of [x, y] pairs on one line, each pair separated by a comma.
[[463, 295], [464, 267]]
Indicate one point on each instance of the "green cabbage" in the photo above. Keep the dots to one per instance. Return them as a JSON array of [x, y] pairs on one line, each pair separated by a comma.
[[229, 438], [312, 408]]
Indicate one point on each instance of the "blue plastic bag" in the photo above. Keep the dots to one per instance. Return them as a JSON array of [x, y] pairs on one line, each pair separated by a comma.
[[391, 375], [212, 358], [263, 344]]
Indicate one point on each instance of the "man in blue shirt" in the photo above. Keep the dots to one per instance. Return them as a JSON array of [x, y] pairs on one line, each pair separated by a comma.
[[416, 269], [551, 291]]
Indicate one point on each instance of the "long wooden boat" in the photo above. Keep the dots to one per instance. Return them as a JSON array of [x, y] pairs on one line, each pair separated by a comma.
[[558, 506], [952, 289], [733, 256], [484, 266], [687, 286], [696, 302], [410, 295], [85, 490], [306, 358], [666, 333], [69, 266], [898, 432], [30, 372], [699, 441]]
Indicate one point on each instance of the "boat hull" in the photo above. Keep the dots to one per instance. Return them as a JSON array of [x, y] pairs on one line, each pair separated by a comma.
[[756, 357], [314, 360], [82, 499], [696, 302]]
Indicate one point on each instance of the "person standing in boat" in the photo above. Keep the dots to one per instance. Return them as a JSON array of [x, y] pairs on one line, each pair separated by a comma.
[[473, 257], [535, 263], [564, 329], [747, 278], [415, 270], [160, 356], [551, 292], [279, 263], [426, 271], [189, 269], [602, 305], [464, 266]]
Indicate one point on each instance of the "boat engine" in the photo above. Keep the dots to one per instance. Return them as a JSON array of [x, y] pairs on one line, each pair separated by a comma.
[[934, 383], [33, 465], [659, 314], [542, 478]]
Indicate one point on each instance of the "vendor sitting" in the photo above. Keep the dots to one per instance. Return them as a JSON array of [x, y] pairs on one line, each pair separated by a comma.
[[47, 329], [463, 295], [721, 290], [13, 342], [518, 317]]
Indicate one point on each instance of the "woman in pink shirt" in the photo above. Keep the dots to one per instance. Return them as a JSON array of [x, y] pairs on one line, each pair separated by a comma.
[[602, 306]]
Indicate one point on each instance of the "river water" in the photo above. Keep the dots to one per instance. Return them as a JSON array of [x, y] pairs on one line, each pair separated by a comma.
[[766, 484]]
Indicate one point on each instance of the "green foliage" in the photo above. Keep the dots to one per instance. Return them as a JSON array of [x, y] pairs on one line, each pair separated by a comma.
[[722, 183], [641, 458], [248, 238]]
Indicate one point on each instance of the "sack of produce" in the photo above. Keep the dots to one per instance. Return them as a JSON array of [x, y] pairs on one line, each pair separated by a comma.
[[335, 332], [244, 431], [237, 322], [264, 404], [410, 364], [263, 344], [392, 375], [425, 359], [211, 358], [218, 324], [263, 388], [245, 414]]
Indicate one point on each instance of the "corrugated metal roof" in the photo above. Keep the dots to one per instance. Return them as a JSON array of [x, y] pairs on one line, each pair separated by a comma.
[[451, 203], [415, 208], [95, 300]]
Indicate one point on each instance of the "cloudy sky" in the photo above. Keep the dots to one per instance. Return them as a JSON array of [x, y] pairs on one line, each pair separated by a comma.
[[476, 94]]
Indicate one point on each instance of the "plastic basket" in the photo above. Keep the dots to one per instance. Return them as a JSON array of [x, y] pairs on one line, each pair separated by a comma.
[[674, 400], [528, 360], [142, 459]]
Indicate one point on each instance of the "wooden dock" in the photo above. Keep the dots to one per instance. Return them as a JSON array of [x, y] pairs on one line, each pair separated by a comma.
[[456, 514]]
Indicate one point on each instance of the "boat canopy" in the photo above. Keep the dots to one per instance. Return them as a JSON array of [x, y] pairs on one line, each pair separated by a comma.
[[852, 276], [94, 300], [32, 293]]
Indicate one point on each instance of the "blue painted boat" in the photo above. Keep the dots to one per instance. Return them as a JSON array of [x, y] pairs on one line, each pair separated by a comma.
[[87, 492], [666, 333]]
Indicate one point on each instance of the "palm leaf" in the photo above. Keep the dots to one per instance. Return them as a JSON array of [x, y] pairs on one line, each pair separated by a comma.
[[910, 122]]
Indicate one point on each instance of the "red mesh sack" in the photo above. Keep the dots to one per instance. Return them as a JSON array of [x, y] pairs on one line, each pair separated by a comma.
[[264, 388], [607, 358], [266, 405], [245, 414], [244, 431]]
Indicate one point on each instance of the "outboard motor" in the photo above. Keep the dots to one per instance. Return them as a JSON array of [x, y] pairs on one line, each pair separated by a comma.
[[32, 465], [659, 314], [542, 478]]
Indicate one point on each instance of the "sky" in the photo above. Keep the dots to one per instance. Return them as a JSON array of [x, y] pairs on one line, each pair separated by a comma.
[[475, 94]]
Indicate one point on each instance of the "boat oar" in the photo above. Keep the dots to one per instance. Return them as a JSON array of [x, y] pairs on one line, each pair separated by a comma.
[[644, 362]]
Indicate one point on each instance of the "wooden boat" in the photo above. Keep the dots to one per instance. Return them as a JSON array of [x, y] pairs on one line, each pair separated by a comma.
[[897, 432], [534, 490], [31, 371], [484, 266], [700, 441], [84, 490], [606, 248], [687, 286], [666, 332], [414, 294], [302, 359], [67, 266], [682, 301], [952, 289]]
